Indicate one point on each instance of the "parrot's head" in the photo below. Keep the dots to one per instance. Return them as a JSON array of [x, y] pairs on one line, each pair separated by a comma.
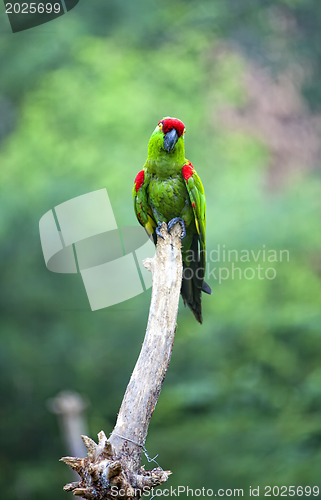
[[168, 138]]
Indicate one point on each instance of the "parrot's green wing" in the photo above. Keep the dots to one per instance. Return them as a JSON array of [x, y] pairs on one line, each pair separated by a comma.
[[191, 288], [197, 197], [142, 209]]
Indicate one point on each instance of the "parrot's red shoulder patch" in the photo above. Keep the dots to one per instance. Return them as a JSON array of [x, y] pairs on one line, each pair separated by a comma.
[[139, 180], [188, 171], [170, 123]]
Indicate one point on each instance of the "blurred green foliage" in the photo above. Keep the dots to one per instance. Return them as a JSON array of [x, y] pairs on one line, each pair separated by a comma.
[[241, 404]]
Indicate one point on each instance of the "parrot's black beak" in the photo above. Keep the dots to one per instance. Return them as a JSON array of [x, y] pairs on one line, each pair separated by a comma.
[[170, 140]]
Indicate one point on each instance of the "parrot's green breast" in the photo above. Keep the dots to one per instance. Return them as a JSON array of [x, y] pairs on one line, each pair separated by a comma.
[[168, 198]]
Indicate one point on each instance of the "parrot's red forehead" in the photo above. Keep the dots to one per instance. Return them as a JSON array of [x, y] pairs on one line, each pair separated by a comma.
[[170, 123]]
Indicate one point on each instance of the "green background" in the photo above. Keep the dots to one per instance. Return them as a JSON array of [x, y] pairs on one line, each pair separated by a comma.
[[79, 98]]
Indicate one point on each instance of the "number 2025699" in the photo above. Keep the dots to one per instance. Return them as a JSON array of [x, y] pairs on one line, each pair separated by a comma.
[[33, 8]]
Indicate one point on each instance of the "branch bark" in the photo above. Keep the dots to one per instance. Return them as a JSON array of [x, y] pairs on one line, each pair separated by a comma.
[[112, 468]]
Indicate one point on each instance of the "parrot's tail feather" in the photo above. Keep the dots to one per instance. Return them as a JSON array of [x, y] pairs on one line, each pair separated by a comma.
[[193, 281], [191, 295], [206, 288]]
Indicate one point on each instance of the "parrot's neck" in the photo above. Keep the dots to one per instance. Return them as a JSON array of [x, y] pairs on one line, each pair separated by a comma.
[[162, 167], [164, 164]]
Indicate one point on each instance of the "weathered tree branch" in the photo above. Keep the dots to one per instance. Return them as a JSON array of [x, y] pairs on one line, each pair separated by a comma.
[[112, 469]]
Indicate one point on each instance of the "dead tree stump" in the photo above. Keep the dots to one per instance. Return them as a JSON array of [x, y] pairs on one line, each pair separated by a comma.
[[112, 468]]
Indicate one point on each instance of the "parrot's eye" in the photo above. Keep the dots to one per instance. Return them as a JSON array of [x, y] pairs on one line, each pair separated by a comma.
[[160, 126], [184, 131]]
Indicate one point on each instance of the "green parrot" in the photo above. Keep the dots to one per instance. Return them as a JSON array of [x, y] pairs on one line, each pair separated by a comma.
[[169, 190]]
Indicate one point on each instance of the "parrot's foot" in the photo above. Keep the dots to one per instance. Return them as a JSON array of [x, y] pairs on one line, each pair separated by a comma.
[[173, 222], [157, 231]]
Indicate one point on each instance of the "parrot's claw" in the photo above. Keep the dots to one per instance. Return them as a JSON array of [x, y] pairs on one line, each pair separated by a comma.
[[157, 231], [173, 222]]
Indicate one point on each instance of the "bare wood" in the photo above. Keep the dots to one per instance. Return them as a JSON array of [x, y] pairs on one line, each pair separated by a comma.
[[112, 468]]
